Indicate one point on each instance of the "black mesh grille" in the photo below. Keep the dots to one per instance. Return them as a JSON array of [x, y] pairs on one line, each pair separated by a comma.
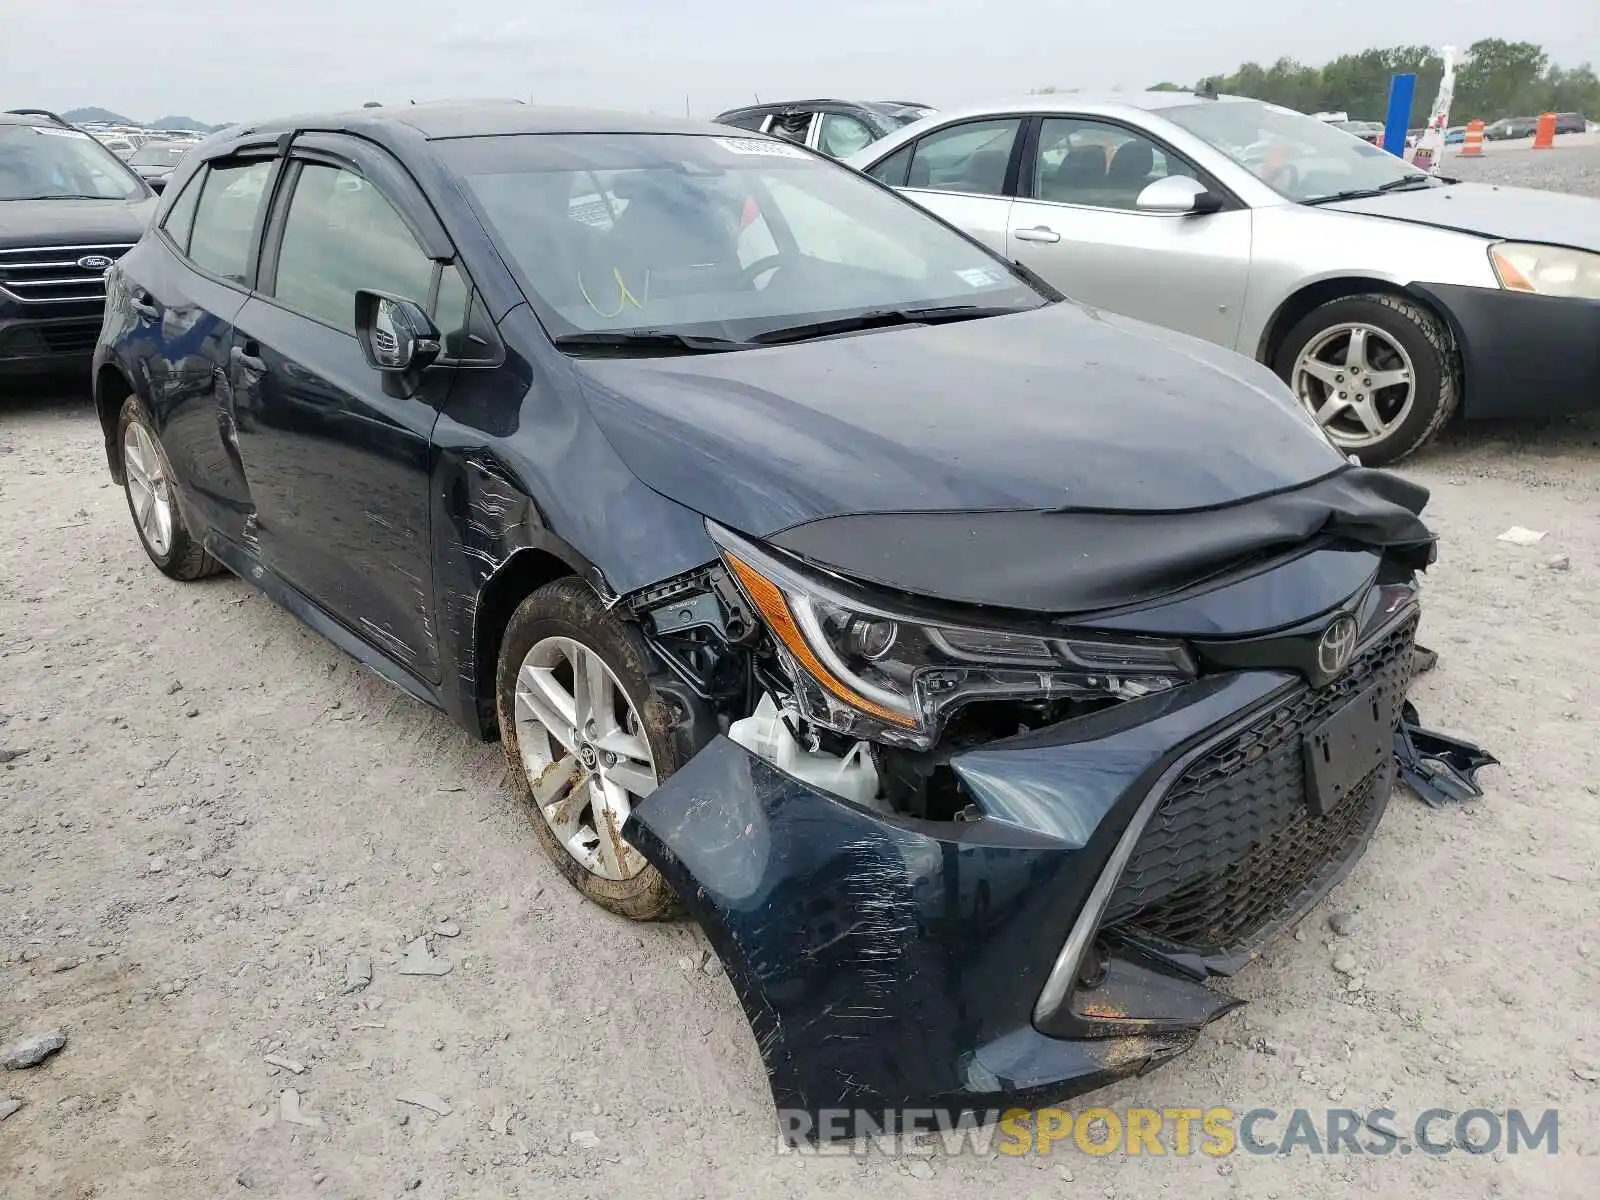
[[1234, 848]]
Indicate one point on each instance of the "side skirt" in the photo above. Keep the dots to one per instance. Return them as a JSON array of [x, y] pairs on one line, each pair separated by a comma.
[[283, 593]]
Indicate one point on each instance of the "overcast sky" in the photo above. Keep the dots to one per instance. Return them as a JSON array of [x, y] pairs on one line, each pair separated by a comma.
[[231, 59]]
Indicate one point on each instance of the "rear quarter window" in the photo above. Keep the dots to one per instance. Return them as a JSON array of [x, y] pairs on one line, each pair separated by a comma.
[[225, 218]]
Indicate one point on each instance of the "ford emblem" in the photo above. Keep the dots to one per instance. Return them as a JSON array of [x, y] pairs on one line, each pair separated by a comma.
[[98, 263]]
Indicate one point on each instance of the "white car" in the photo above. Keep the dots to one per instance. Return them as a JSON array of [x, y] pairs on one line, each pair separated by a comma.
[[1388, 299]]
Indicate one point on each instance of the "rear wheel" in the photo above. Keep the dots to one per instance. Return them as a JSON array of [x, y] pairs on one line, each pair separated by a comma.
[[586, 739], [153, 500], [1379, 373]]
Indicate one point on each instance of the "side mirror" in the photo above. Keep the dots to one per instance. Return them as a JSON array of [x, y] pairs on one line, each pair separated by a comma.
[[1179, 195], [396, 335]]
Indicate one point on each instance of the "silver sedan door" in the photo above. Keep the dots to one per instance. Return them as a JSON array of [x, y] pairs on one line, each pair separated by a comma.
[[1076, 222], [959, 172]]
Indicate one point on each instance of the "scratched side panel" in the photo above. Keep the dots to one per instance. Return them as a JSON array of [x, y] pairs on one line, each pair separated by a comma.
[[520, 465]]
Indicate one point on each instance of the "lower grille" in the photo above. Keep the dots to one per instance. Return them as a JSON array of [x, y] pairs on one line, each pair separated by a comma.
[[58, 274], [1234, 849], [49, 338]]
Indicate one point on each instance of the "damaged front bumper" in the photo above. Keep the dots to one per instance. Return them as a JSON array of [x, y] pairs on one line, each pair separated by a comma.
[[1063, 938]]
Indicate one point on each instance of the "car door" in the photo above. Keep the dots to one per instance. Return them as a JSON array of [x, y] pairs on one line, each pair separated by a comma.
[[339, 454], [962, 172], [185, 287], [1076, 222]]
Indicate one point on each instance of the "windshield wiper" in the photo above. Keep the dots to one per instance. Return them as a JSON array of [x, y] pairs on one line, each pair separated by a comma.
[[1405, 183], [647, 339], [880, 318]]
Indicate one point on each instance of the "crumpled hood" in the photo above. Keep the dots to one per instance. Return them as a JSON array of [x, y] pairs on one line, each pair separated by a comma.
[[1511, 213], [1061, 407], [74, 222]]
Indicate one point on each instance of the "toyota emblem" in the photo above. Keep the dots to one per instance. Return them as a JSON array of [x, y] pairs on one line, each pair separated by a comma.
[[1337, 644], [98, 263]]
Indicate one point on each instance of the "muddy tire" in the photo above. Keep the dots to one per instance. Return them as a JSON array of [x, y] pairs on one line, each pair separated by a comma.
[[1381, 373], [153, 502], [585, 736]]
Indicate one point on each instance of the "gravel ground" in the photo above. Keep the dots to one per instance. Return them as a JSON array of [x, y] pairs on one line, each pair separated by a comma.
[[206, 811], [1571, 165]]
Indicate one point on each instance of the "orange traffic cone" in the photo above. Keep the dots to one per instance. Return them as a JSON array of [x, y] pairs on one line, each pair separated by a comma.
[[1473, 146], [1545, 136]]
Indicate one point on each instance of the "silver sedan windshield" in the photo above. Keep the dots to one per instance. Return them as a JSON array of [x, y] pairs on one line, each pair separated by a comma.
[[1299, 157]]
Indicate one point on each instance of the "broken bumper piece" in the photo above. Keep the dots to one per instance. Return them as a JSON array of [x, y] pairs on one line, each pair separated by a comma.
[[1061, 940]]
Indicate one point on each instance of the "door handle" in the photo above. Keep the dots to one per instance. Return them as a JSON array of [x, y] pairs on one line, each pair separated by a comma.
[[140, 303], [1039, 233], [244, 359]]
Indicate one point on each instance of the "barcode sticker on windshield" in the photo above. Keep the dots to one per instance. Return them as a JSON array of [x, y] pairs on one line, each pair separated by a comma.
[[51, 131], [978, 277], [759, 146]]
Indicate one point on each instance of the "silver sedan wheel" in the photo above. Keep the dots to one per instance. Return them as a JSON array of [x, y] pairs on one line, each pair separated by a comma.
[[1357, 381], [585, 752], [147, 489]]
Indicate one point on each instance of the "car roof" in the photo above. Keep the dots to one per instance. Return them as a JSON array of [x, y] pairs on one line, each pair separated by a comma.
[[1106, 104], [482, 119]]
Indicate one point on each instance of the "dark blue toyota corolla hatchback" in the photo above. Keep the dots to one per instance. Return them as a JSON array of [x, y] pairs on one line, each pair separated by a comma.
[[983, 672]]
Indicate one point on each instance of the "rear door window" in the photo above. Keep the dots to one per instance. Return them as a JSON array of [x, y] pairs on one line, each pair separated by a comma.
[[971, 157], [180, 217], [225, 219]]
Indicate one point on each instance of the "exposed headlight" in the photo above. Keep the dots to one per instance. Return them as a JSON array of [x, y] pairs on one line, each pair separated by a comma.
[[864, 669], [1546, 270]]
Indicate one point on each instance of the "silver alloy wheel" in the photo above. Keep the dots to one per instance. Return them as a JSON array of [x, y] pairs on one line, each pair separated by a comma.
[[585, 752], [1357, 381], [147, 488]]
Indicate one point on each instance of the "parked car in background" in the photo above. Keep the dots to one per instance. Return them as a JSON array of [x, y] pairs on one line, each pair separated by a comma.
[[1387, 298], [1508, 128], [1367, 131], [155, 161], [838, 128], [1571, 122], [68, 210], [1023, 623], [1455, 135]]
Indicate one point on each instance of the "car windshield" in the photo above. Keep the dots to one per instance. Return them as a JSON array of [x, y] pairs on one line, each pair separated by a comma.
[[1299, 157], [48, 162], [157, 154], [714, 236]]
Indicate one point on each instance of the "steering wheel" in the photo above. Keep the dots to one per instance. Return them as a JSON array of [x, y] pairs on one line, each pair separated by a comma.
[[771, 262], [1284, 175]]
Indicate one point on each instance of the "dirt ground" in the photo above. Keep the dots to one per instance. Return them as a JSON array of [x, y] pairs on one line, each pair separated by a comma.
[[206, 810]]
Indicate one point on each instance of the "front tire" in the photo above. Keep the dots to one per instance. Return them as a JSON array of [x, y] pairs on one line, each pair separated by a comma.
[[585, 738], [152, 495], [1380, 374]]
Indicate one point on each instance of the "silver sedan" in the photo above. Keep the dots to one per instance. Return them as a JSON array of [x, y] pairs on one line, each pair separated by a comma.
[[1386, 298]]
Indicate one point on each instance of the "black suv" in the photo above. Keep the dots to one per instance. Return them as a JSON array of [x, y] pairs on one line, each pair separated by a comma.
[[68, 209], [838, 128]]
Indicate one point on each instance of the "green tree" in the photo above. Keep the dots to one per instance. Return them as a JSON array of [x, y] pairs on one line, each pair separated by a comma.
[[1497, 75]]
